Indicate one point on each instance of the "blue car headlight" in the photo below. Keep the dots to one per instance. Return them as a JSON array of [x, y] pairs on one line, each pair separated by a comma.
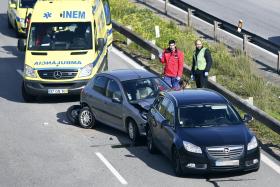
[[192, 148], [252, 144]]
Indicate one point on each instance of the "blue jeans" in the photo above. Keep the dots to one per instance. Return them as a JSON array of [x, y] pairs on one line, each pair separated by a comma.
[[172, 82]]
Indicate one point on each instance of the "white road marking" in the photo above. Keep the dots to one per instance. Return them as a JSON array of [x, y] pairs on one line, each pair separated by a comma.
[[270, 163], [111, 168], [126, 58], [20, 72]]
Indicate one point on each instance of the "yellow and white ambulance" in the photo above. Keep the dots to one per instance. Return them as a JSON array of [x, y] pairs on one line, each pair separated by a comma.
[[66, 46], [17, 13]]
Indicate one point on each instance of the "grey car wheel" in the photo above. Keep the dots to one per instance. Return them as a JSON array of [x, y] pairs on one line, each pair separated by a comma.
[[86, 118], [132, 131]]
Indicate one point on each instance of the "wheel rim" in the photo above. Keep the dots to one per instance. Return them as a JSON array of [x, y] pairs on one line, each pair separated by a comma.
[[131, 130], [86, 118]]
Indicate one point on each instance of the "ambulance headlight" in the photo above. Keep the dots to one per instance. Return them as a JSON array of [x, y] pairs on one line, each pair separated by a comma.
[[29, 72], [86, 70]]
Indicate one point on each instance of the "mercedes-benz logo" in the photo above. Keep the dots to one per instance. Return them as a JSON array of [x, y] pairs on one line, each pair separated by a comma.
[[57, 74], [226, 150]]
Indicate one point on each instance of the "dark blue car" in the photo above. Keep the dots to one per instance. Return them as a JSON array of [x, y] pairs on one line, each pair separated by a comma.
[[200, 132]]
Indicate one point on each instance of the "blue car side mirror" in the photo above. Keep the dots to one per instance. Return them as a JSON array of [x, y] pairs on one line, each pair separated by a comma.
[[247, 118]]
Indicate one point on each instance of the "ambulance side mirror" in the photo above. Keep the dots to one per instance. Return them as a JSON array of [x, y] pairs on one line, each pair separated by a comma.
[[21, 44], [101, 43], [13, 5]]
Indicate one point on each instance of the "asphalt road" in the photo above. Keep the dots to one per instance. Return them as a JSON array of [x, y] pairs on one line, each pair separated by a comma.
[[39, 147], [260, 17]]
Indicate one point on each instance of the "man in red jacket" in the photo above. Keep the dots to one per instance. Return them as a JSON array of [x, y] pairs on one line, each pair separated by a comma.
[[173, 59]]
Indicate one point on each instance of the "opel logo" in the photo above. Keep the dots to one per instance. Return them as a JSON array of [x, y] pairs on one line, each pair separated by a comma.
[[57, 74], [226, 150]]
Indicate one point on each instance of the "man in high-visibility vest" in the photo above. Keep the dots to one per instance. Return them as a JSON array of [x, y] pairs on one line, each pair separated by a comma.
[[201, 64]]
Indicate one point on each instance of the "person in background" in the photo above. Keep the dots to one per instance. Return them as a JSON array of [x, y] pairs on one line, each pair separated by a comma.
[[201, 64], [173, 60]]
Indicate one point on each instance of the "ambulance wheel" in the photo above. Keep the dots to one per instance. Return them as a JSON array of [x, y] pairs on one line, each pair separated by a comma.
[[26, 96]]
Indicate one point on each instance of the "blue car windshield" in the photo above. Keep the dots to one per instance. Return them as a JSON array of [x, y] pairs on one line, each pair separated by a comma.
[[145, 88], [205, 115], [27, 3]]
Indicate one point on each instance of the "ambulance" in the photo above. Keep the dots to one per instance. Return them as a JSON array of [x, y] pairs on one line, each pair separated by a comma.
[[18, 15], [66, 46]]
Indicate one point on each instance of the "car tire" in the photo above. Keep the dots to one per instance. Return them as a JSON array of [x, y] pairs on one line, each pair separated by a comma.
[[73, 114], [86, 118], [9, 23], [176, 163], [26, 96], [150, 143], [132, 130]]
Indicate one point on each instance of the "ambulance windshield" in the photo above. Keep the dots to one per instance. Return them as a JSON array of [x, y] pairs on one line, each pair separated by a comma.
[[60, 36]]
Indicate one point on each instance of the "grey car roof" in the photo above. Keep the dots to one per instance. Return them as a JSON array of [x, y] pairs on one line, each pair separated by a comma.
[[130, 74]]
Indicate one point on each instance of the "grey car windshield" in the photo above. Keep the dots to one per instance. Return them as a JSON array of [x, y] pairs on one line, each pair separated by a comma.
[[27, 3], [204, 115], [143, 88], [60, 36]]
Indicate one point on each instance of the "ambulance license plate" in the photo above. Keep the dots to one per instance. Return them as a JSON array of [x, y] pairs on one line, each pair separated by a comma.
[[57, 91], [227, 163]]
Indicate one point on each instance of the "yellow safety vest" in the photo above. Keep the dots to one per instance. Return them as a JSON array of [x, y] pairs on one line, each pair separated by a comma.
[[200, 61]]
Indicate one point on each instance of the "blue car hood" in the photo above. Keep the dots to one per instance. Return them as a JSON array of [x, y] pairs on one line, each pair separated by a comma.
[[216, 136]]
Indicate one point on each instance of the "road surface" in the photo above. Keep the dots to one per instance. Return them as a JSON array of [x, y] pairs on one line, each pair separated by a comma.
[[260, 17], [39, 147]]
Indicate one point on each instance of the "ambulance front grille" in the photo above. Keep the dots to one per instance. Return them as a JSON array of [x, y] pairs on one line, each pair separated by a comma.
[[57, 74]]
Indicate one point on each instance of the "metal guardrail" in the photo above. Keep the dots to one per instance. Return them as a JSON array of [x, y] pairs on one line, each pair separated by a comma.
[[253, 38], [254, 111]]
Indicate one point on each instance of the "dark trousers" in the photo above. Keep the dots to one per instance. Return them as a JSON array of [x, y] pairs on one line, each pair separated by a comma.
[[200, 79]]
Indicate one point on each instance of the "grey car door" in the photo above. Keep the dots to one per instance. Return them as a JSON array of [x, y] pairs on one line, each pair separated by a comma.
[[113, 107], [96, 98]]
